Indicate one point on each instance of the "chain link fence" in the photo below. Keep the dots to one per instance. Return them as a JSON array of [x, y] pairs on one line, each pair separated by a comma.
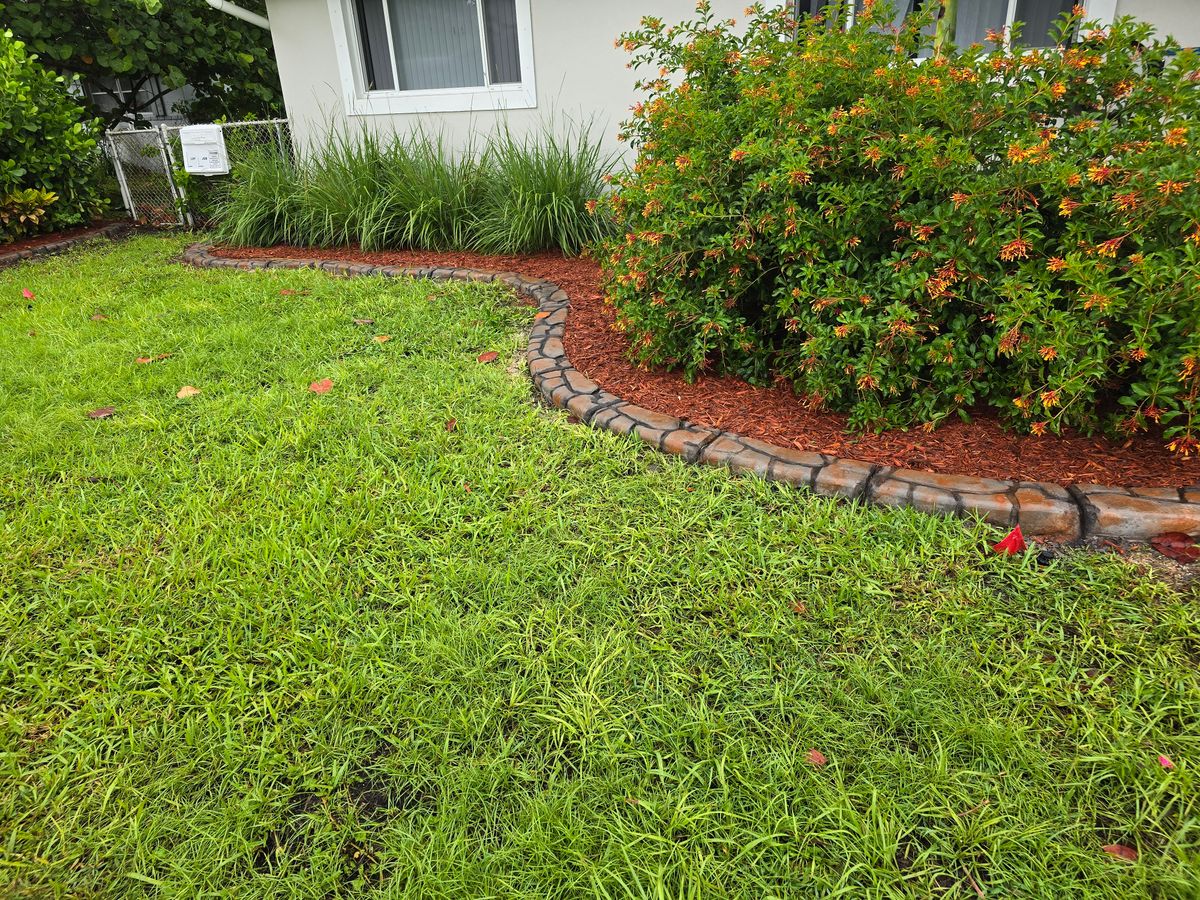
[[148, 166]]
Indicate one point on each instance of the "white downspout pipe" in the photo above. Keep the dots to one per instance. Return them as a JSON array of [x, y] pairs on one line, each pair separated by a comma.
[[238, 12]]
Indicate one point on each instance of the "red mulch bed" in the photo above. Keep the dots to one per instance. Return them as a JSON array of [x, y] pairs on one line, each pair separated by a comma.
[[53, 237], [775, 414]]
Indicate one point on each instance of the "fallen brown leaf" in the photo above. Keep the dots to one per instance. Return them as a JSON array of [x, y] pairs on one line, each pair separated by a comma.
[[1177, 546], [142, 360], [451, 424], [542, 315], [99, 317], [1120, 851], [799, 607], [103, 412], [364, 321], [287, 292], [816, 757], [489, 357], [382, 338], [188, 391]]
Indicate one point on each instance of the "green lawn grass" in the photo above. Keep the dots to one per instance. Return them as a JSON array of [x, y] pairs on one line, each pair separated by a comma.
[[266, 643]]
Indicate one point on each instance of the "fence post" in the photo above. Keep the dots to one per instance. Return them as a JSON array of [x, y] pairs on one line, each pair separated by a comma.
[[114, 156], [177, 194]]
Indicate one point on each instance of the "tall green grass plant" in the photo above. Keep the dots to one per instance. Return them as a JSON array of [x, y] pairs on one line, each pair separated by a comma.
[[510, 194]]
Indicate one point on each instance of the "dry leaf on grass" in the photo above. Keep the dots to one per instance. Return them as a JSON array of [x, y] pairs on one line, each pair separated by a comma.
[[1177, 546], [99, 317], [451, 424], [27, 294], [324, 386], [489, 357], [103, 412], [382, 338], [816, 757], [188, 391], [364, 321], [1120, 851]]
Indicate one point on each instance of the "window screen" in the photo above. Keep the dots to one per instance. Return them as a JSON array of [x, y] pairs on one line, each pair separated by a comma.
[[1039, 16], [377, 53], [504, 57]]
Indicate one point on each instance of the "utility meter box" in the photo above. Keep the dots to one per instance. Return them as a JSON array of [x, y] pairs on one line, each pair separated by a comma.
[[204, 150]]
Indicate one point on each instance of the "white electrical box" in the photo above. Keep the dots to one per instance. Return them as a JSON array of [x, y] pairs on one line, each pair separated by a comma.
[[204, 150]]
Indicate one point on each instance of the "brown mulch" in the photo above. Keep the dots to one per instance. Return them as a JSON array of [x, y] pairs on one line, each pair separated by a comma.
[[53, 237], [980, 447]]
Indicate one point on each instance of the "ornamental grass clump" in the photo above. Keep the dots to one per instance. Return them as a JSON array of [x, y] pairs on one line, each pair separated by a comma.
[[906, 241], [507, 194]]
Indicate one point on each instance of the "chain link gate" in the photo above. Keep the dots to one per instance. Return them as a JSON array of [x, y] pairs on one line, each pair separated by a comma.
[[147, 163]]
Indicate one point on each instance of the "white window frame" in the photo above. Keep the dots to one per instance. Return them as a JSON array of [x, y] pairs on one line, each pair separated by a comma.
[[363, 102]]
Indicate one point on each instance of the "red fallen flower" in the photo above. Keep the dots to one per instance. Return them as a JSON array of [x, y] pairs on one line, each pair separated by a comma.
[[816, 757], [27, 293], [1165, 761], [324, 386], [1012, 544]]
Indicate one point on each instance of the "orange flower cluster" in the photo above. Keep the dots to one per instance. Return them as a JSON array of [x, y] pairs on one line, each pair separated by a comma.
[[1017, 248]]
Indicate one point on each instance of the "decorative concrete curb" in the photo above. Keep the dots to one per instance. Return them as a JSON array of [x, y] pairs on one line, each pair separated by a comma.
[[1066, 513], [112, 232]]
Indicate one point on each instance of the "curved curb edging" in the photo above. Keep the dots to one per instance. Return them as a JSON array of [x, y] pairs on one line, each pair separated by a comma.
[[1042, 509], [112, 232]]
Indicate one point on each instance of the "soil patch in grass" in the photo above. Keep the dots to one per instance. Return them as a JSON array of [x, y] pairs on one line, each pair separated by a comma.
[[777, 414]]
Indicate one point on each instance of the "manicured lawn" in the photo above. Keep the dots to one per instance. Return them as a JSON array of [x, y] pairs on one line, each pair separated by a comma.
[[268, 643]]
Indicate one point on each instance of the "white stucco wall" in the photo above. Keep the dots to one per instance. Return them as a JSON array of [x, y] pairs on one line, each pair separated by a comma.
[[1178, 18], [579, 74]]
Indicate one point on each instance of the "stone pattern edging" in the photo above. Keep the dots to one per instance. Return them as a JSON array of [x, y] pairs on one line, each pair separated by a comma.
[[1068, 513], [112, 232]]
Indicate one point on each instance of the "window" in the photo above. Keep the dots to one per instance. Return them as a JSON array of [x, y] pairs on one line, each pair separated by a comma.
[[109, 94], [403, 56], [977, 17]]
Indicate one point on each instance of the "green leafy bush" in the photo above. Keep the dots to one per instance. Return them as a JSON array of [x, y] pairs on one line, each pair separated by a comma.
[[906, 241], [509, 196], [49, 160]]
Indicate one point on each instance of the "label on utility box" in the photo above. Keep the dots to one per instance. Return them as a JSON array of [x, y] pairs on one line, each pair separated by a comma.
[[204, 150]]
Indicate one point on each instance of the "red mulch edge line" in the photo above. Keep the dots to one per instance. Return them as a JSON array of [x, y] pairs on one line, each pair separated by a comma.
[[777, 415], [40, 240]]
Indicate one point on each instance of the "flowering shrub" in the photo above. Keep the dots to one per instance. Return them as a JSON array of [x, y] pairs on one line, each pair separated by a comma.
[[907, 241]]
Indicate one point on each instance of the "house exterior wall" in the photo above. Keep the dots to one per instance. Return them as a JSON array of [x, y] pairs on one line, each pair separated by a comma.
[[578, 72], [1178, 18]]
